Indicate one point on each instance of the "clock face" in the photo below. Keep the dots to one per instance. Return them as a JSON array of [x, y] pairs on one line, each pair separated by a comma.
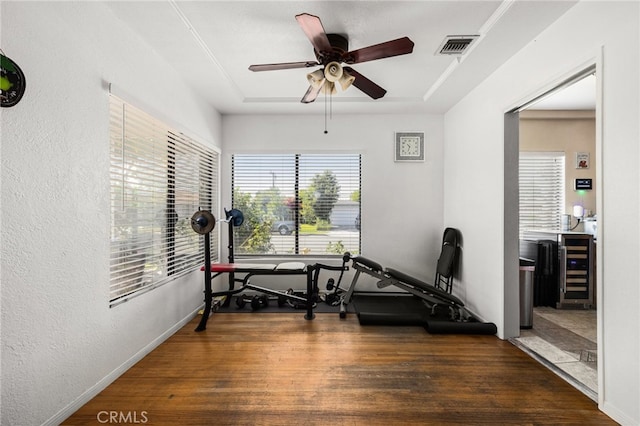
[[410, 146], [12, 82]]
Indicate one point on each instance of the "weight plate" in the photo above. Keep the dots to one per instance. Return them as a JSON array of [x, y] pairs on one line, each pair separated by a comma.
[[255, 303], [236, 216], [203, 222]]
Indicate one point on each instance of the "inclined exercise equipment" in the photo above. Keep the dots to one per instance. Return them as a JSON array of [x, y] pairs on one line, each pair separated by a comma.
[[448, 313]]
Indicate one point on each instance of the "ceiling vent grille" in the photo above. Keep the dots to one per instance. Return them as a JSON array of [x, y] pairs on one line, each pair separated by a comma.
[[456, 45]]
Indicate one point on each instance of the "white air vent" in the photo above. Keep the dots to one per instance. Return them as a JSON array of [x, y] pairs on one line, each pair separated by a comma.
[[456, 45]]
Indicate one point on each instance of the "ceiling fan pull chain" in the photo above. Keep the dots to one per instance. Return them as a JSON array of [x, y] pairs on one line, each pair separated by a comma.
[[331, 106], [325, 116]]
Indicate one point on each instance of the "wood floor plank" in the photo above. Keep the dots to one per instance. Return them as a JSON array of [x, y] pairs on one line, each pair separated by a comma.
[[264, 368]]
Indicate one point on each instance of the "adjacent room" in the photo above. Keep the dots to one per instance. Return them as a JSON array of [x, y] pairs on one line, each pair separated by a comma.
[[558, 214], [241, 180]]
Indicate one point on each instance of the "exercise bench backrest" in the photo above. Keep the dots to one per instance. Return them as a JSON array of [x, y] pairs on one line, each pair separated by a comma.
[[449, 254], [446, 261]]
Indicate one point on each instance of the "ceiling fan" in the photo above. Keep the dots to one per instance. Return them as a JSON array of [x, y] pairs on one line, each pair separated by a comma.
[[331, 51]]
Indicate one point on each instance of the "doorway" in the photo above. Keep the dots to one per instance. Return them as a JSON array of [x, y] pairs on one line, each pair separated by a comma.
[[562, 124]]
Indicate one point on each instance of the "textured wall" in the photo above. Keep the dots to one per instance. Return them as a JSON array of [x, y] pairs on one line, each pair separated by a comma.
[[60, 339], [474, 141]]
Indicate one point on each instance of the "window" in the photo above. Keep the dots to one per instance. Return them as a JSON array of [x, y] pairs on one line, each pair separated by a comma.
[[159, 178], [297, 204], [542, 190]]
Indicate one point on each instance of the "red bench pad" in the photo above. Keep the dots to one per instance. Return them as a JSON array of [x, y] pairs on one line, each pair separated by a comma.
[[240, 267]]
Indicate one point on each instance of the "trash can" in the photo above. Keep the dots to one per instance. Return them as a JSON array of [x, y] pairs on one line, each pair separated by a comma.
[[527, 269]]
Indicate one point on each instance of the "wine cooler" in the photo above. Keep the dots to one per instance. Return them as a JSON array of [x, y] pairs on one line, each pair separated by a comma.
[[571, 283]]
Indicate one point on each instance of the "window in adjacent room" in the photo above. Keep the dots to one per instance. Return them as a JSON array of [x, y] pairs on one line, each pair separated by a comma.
[[159, 178], [542, 189], [297, 204]]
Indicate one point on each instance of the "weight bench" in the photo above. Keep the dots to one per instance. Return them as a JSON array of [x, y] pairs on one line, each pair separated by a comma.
[[458, 320], [437, 297], [251, 270], [434, 296], [203, 222]]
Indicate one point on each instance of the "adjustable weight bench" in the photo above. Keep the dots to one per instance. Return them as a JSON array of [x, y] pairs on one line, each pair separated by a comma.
[[437, 297], [434, 296]]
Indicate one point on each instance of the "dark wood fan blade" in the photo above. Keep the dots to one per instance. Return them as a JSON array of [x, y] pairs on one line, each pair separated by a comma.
[[401, 46], [311, 94], [283, 66], [367, 86], [312, 27]]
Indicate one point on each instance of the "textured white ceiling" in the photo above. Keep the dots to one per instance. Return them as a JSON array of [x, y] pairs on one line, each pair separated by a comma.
[[212, 43]]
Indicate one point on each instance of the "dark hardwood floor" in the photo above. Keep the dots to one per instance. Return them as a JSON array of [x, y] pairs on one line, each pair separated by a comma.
[[279, 369]]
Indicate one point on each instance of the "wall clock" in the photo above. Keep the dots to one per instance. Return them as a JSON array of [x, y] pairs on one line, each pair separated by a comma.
[[12, 82], [409, 146]]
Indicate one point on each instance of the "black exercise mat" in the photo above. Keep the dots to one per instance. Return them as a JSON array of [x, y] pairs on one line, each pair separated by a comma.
[[440, 323], [453, 327], [390, 310]]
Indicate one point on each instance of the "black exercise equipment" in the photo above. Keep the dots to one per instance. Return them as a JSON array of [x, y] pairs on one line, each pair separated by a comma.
[[234, 217], [437, 297], [335, 295], [203, 222], [256, 302], [390, 309], [448, 260]]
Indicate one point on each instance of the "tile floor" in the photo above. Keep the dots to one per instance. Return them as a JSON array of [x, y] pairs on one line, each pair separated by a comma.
[[565, 341]]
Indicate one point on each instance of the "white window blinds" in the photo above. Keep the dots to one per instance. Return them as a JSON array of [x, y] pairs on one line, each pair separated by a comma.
[[159, 179], [297, 204], [542, 190]]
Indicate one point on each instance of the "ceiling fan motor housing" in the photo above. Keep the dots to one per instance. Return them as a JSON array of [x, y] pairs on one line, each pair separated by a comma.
[[340, 46]]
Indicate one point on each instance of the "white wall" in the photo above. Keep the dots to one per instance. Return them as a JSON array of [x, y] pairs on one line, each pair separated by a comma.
[[402, 203], [474, 146], [61, 343]]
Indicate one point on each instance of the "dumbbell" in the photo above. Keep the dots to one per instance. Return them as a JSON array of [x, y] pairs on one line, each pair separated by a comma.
[[256, 302], [282, 300]]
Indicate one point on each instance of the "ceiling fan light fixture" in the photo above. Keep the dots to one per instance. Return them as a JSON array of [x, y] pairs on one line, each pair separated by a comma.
[[329, 88], [315, 79], [346, 80], [333, 71]]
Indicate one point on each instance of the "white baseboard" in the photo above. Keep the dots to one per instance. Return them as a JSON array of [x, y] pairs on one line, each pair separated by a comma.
[[94, 390], [617, 415]]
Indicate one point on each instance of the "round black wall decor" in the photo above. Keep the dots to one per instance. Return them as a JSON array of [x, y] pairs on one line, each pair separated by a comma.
[[12, 82]]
